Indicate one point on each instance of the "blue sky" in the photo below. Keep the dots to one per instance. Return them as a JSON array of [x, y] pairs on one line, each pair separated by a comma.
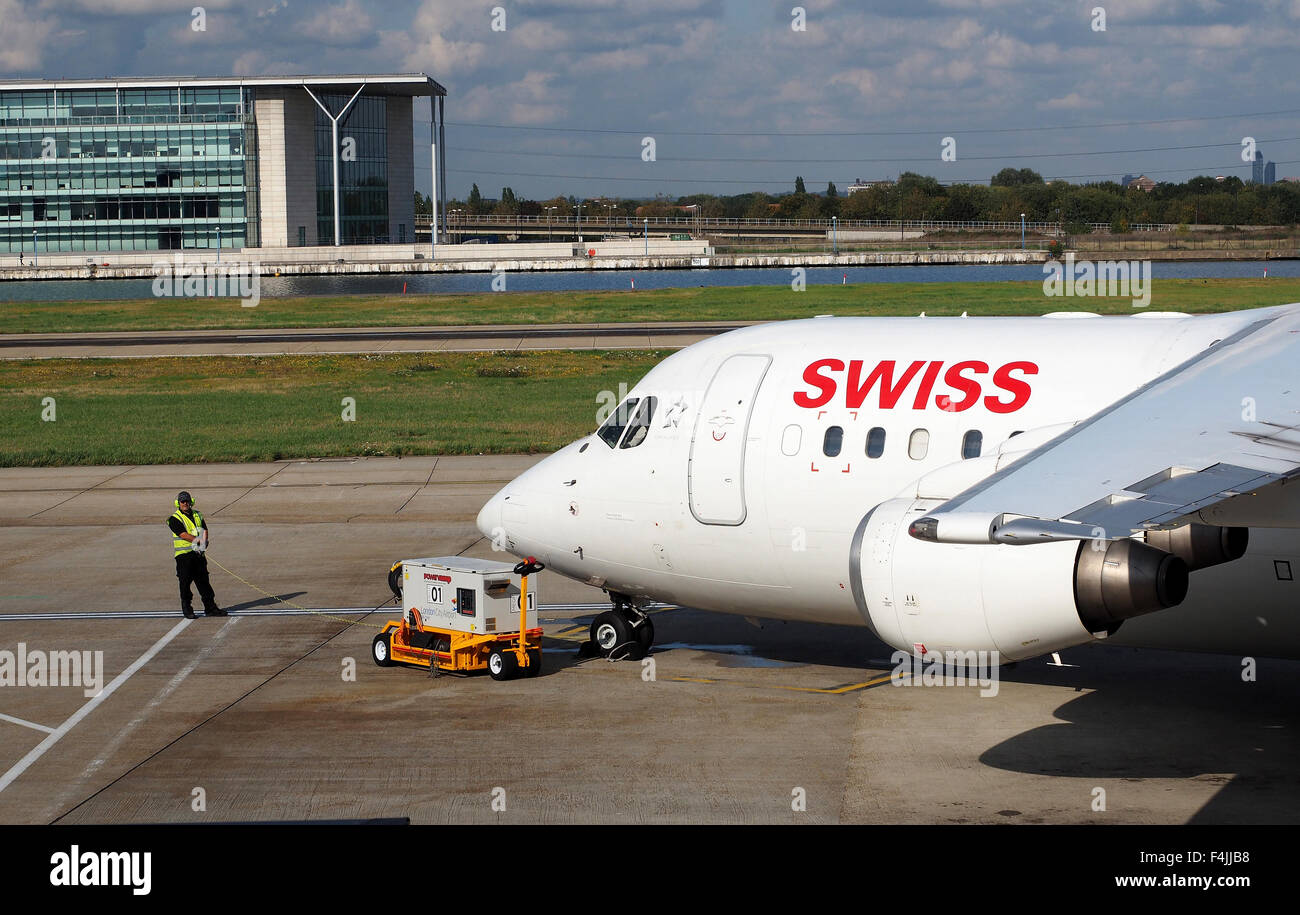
[[866, 89]]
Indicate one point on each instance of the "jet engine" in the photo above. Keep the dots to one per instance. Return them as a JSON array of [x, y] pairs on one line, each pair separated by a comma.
[[1021, 601]]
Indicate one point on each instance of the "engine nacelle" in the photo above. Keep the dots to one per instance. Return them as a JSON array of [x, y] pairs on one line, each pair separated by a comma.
[[1202, 545], [1021, 601]]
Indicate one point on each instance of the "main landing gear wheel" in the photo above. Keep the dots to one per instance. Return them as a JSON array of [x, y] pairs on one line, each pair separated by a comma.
[[381, 650], [622, 634], [502, 664], [645, 635], [612, 634]]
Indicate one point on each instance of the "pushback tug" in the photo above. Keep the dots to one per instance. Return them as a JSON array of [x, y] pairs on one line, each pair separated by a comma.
[[463, 615]]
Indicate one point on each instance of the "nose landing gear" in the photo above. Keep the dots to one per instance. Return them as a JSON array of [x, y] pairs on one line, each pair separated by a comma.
[[623, 633]]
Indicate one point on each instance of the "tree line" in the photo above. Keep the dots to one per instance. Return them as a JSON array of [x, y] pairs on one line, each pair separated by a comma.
[[1011, 192]]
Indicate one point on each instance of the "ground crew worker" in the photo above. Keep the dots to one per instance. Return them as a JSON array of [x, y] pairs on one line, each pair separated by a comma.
[[189, 540]]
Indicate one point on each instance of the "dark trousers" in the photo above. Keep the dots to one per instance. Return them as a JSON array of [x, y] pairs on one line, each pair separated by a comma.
[[193, 567]]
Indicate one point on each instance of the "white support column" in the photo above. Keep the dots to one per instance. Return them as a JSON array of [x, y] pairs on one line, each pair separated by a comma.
[[442, 152], [334, 156], [433, 168]]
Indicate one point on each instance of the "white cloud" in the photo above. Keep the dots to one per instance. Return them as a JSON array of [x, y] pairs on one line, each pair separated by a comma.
[[1072, 102], [861, 80], [533, 99], [138, 7], [340, 24], [25, 35], [257, 63]]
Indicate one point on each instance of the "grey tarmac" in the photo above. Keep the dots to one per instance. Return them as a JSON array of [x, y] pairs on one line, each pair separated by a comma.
[[257, 714]]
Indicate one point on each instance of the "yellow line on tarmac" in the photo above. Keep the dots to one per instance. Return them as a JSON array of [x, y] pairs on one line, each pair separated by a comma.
[[823, 690], [839, 689]]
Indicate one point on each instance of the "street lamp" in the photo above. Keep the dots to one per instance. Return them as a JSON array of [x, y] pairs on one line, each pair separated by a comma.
[[218, 244], [35, 262], [1022, 231], [645, 233], [835, 233], [548, 220], [577, 225]]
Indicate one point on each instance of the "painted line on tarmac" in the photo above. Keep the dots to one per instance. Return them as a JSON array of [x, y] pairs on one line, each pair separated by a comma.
[[163, 614], [163, 694], [27, 724], [655, 607], [57, 734], [171, 614], [839, 690], [823, 690]]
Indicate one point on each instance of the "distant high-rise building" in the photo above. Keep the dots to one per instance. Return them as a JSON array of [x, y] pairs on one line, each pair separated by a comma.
[[861, 185], [1257, 169], [1270, 173]]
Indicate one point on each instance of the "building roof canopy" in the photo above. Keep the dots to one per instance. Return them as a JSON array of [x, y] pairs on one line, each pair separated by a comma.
[[399, 84]]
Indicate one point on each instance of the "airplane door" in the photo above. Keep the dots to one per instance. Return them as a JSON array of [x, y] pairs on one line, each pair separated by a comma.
[[716, 470]]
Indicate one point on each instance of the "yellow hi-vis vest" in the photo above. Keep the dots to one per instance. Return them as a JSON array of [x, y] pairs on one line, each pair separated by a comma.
[[191, 527]]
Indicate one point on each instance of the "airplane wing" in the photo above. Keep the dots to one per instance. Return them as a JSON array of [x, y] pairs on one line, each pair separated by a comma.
[[1225, 423]]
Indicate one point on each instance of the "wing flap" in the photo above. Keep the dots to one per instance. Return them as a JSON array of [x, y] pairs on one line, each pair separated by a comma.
[[1224, 423]]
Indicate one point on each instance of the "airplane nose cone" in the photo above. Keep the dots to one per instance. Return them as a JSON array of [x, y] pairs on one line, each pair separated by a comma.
[[489, 517]]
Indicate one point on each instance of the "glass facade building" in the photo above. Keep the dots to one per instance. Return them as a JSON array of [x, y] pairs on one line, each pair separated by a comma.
[[193, 164], [126, 170], [363, 172]]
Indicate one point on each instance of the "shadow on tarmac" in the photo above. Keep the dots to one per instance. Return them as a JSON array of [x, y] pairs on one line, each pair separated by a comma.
[[1175, 715]]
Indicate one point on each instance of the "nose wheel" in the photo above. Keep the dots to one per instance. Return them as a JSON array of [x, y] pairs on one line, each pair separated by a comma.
[[623, 633]]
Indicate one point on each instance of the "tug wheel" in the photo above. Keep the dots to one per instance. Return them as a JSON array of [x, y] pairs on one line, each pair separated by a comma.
[[502, 664], [534, 662], [381, 649]]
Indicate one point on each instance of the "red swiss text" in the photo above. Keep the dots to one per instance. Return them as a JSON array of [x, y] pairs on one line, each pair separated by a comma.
[[965, 384]]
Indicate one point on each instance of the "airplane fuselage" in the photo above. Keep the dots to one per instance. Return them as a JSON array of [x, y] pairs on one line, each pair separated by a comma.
[[766, 448]]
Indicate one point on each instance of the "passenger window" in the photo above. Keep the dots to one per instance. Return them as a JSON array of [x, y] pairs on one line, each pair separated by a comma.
[[791, 439], [636, 431], [617, 422], [833, 441], [971, 444], [875, 442], [919, 444]]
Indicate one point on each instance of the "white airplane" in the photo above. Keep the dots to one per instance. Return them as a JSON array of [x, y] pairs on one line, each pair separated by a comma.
[[1018, 485]]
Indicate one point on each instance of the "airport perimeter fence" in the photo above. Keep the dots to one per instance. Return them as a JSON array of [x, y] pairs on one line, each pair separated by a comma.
[[702, 224]]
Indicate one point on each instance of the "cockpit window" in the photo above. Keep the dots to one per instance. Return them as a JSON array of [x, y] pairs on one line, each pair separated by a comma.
[[617, 422], [640, 425]]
